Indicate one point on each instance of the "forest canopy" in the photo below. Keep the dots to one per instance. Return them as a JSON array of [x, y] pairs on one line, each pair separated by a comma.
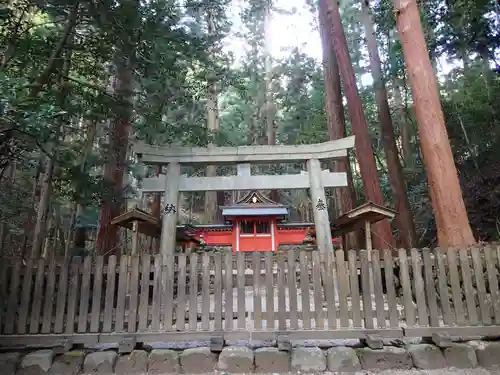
[[80, 80]]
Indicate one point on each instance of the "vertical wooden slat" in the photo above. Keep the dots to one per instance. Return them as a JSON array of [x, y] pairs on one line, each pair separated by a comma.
[[240, 276], [110, 294], [62, 290], [134, 293], [37, 297], [180, 313], [444, 299], [467, 287], [406, 285], [144, 293], [304, 291], [281, 291], [365, 282], [95, 317], [228, 300], [83, 312], [418, 283], [355, 298], [205, 307], [430, 288], [193, 291], [379, 292], [269, 291], [331, 311], [4, 272], [391, 292], [74, 288], [121, 294], [12, 302], [456, 291], [257, 297], [492, 281], [25, 297], [343, 288], [481, 289], [169, 291], [48, 306], [292, 289], [318, 293], [157, 292], [218, 291]]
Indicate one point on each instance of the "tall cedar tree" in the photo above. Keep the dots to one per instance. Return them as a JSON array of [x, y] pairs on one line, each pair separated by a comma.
[[452, 223], [345, 197], [404, 219], [382, 236]]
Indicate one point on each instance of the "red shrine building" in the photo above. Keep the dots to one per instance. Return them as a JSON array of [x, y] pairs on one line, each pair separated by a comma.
[[253, 223]]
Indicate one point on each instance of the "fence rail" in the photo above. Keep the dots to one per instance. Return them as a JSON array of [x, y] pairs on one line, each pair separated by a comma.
[[257, 296]]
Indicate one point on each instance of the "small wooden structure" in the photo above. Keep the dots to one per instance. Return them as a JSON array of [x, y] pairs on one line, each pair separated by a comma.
[[362, 217]]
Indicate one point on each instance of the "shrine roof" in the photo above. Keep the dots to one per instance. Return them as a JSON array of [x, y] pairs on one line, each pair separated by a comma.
[[357, 217], [254, 203]]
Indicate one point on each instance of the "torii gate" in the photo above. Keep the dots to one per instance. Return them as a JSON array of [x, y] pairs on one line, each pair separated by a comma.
[[314, 178]]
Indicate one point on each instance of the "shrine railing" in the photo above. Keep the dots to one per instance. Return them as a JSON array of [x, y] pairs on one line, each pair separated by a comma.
[[299, 294]]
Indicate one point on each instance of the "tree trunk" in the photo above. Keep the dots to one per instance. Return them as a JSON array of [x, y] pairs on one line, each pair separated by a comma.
[[43, 209], [381, 231], [344, 197], [11, 171], [269, 105], [451, 216], [154, 245], [404, 218], [404, 125], [87, 148], [111, 206], [213, 125]]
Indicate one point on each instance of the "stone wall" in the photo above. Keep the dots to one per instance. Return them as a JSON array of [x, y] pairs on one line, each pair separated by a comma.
[[241, 359]]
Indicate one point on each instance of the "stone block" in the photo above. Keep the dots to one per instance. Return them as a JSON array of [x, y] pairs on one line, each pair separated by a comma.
[[37, 362], [271, 360], [426, 356], [488, 354], [387, 358], [100, 362], [342, 359], [460, 356], [308, 360], [198, 360], [70, 363], [164, 361], [9, 363], [135, 363], [236, 359]]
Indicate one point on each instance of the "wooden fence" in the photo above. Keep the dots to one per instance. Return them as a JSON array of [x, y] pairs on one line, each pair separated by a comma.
[[253, 296]]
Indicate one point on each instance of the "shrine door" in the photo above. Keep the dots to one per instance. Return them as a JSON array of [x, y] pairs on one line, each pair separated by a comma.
[[256, 235]]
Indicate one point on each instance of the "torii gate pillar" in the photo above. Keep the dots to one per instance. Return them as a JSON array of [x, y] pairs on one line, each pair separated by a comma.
[[170, 209], [320, 208]]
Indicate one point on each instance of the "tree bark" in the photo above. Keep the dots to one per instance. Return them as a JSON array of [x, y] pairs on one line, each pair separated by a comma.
[[87, 148], [404, 125], [344, 197], [451, 216], [381, 231], [213, 125], [404, 218], [107, 236]]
